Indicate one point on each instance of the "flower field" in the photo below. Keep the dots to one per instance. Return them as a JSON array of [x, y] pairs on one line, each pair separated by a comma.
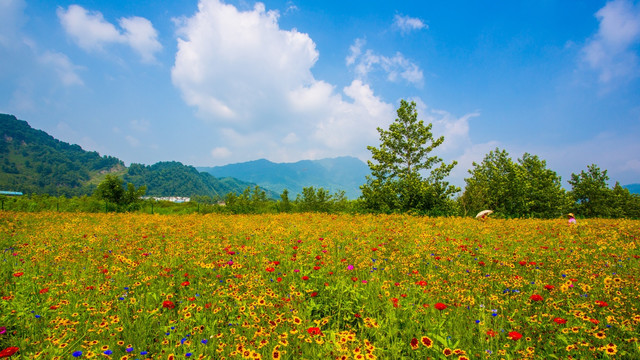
[[312, 286]]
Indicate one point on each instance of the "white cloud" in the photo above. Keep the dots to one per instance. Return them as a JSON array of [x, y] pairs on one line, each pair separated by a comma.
[[241, 71], [140, 125], [407, 24], [612, 50], [92, 32], [394, 67], [220, 153], [134, 142], [63, 67], [11, 20], [141, 36]]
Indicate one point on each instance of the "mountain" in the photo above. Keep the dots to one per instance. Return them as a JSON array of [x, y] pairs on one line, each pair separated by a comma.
[[633, 188], [32, 161], [335, 174], [174, 178]]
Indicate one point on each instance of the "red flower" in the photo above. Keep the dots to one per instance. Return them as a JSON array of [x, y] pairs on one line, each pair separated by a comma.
[[536, 297], [356, 315], [514, 335], [305, 278], [481, 263], [168, 304], [426, 341], [314, 294], [279, 279], [314, 331], [414, 343], [421, 283], [560, 320], [270, 269], [522, 263], [186, 283], [491, 333], [601, 303], [354, 279], [18, 274], [549, 287], [45, 290], [440, 306], [9, 351]]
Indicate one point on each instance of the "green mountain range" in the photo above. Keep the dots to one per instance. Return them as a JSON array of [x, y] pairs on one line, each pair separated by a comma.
[[336, 174], [32, 161]]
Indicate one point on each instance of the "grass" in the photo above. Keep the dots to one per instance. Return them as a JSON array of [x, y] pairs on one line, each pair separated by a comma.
[[311, 286]]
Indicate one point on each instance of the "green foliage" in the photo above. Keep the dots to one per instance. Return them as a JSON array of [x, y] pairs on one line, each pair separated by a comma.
[[112, 190], [591, 192], [514, 189], [396, 183]]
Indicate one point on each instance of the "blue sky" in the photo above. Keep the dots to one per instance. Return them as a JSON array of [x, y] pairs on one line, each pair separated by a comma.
[[215, 82]]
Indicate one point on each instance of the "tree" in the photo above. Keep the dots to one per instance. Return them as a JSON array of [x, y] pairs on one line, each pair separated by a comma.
[[514, 189], [591, 193], [112, 190], [542, 189], [396, 182]]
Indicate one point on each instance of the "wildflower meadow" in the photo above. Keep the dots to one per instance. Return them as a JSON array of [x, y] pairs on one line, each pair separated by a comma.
[[316, 286]]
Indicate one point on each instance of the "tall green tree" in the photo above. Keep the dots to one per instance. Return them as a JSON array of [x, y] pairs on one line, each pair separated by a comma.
[[542, 189], [396, 183], [591, 193]]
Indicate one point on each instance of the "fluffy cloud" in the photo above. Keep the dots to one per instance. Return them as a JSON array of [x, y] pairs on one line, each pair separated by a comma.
[[245, 74], [612, 50], [365, 62], [92, 32], [63, 67], [407, 24]]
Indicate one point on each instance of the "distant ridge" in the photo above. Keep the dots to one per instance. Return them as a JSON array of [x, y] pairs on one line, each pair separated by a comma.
[[633, 188], [344, 173]]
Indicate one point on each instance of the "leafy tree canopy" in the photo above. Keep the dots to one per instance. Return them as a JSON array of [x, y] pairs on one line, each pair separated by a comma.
[[396, 182]]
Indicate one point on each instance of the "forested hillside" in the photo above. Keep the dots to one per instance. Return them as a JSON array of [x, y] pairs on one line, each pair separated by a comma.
[[32, 161]]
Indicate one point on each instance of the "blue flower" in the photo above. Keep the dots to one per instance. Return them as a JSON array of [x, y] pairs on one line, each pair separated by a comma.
[[187, 354], [204, 341], [144, 353], [129, 349], [77, 353], [108, 352]]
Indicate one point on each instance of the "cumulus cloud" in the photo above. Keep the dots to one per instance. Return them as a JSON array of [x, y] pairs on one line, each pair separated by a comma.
[[612, 51], [395, 67], [63, 67], [408, 24], [244, 73], [92, 32]]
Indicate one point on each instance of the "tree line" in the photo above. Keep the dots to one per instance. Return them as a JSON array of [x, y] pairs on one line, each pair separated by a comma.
[[405, 178]]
